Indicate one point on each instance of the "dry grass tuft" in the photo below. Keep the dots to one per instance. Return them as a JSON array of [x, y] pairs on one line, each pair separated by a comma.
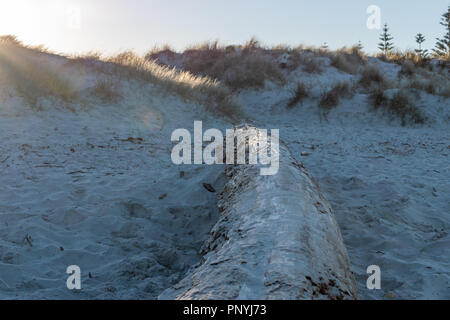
[[343, 90], [107, 90], [371, 76], [248, 67], [209, 92], [10, 40], [430, 82], [348, 60], [86, 59], [399, 105], [424, 85], [408, 69], [251, 45], [157, 49], [377, 98], [402, 106], [32, 78], [400, 57], [331, 98], [299, 94], [311, 65], [445, 92]]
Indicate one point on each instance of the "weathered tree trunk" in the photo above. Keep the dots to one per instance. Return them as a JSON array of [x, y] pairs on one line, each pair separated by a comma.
[[277, 238]]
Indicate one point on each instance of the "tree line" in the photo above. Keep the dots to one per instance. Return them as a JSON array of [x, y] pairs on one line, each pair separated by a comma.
[[441, 49]]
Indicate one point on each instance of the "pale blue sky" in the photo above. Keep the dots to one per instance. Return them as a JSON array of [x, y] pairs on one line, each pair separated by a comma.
[[113, 25]]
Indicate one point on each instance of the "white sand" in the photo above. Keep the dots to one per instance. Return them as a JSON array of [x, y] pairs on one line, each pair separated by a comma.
[[87, 196], [389, 185], [98, 206]]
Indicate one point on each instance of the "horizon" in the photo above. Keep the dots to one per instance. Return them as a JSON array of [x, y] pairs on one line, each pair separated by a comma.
[[71, 27]]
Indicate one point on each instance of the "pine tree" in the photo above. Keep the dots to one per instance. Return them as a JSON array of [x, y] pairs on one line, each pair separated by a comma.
[[386, 45], [443, 45], [360, 46], [423, 53]]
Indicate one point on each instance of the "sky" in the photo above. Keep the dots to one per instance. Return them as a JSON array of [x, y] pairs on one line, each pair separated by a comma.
[[111, 26]]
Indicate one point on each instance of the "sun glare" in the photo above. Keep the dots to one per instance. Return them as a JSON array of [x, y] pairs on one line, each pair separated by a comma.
[[17, 16], [31, 20]]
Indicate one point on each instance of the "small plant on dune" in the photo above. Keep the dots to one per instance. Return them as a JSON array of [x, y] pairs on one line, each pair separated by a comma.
[[377, 98], [344, 90], [436, 83], [331, 98], [163, 55], [299, 94], [400, 57], [311, 65], [370, 76], [423, 85], [430, 88], [107, 90], [85, 59], [202, 58], [328, 100], [157, 49], [348, 60], [251, 45], [445, 92], [253, 72], [401, 106], [10, 40], [341, 63], [281, 48], [408, 69]]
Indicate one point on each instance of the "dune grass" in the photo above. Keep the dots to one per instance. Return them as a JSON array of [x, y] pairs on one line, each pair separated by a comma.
[[399, 105], [32, 79], [348, 60], [107, 89], [298, 95], [330, 99], [210, 73], [237, 67], [371, 76], [205, 90]]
